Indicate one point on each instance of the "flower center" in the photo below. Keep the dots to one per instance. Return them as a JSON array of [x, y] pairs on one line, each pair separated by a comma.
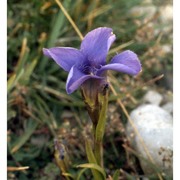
[[87, 69], [93, 70]]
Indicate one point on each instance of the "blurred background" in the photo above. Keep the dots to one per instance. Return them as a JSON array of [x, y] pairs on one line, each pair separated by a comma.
[[39, 109]]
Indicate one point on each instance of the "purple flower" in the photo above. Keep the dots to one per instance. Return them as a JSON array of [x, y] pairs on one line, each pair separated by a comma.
[[89, 62]]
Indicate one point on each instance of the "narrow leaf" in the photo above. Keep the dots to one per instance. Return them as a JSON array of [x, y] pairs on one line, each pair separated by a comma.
[[116, 174], [28, 71], [81, 173], [32, 125], [89, 152], [68, 175], [96, 167], [12, 81], [92, 159], [102, 118]]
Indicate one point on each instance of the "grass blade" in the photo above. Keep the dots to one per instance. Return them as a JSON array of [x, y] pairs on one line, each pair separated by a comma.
[[31, 126]]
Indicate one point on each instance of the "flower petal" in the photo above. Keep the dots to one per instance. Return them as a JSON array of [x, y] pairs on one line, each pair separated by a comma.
[[96, 44], [76, 78], [65, 57], [126, 62]]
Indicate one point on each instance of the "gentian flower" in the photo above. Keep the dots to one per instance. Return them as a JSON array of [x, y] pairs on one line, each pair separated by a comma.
[[89, 63]]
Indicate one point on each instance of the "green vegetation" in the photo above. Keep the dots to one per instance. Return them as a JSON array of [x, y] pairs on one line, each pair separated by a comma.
[[39, 109]]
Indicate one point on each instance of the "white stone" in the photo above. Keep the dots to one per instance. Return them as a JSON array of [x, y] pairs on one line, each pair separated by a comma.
[[165, 20], [168, 107], [153, 97], [156, 129], [166, 13]]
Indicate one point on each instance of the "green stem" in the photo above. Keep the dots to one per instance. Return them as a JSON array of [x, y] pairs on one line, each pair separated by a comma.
[[98, 152], [96, 101], [100, 128]]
